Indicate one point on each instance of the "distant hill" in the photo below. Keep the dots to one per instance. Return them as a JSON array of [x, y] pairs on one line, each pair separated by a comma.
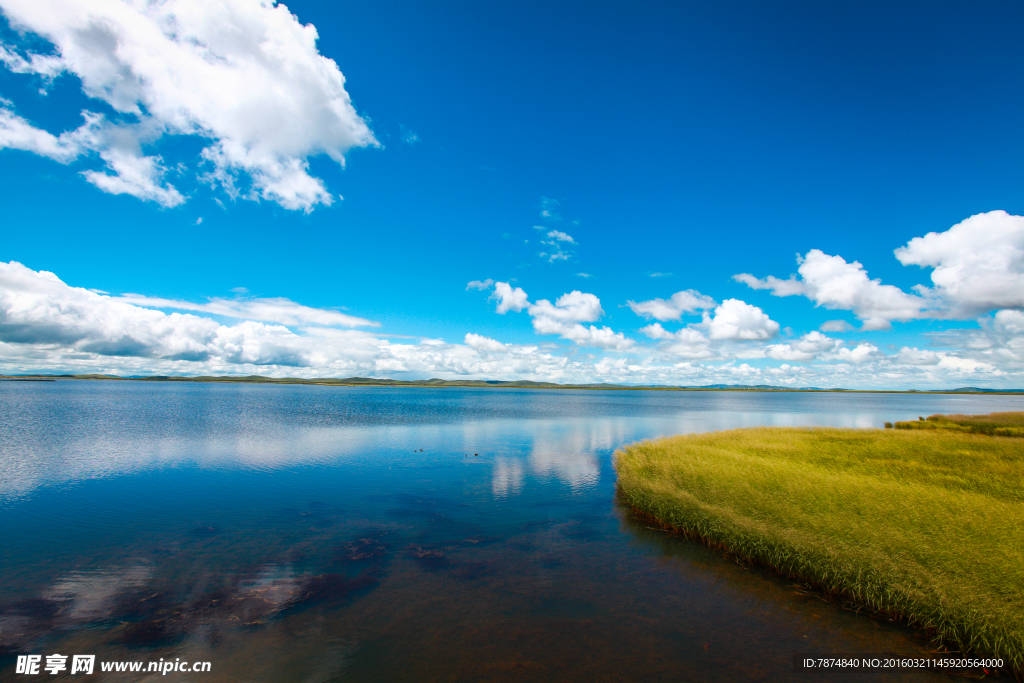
[[516, 384], [979, 390]]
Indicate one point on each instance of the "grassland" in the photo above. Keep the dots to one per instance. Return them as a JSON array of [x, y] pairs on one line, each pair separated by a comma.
[[925, 524], [996, 424]]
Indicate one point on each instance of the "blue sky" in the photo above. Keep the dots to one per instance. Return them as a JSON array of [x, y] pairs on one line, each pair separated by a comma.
[[624, 152]]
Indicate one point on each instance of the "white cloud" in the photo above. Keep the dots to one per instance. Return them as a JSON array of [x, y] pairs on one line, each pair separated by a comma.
[[47, 325], [809, 347], [735, 319], [481, 343], [831, 282], [978, 267], [964, 365], [559, 236], [685, 343], [509, 298], [576, 306], [246, 76], [17, 133], [564, 317], [556, 256], [978, 263], [584, 275], [47, 66], [835, 326], [778, 287], [480, 284], [661, 274], [135, 175], [656, 331], [585, 335], [276, 310], [1009, 322], [686, 301], [915, 356], [862, 353]]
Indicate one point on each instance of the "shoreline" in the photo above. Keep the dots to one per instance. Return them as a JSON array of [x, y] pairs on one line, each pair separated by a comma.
[[487, 384], [877, 537]]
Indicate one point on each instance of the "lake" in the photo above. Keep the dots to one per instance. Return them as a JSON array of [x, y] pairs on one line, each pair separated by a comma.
[[316, 533]]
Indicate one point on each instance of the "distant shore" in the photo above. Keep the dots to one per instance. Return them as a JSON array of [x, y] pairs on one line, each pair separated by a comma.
[[497, 384], [923, 522]]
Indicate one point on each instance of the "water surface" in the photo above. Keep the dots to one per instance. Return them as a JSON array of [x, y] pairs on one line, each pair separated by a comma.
[[308, 533]]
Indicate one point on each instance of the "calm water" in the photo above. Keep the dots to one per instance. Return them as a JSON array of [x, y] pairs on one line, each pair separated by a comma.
[[292, 533]]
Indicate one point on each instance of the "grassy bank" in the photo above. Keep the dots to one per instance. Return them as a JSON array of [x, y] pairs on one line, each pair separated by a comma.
[[924, 524], [995, 424]]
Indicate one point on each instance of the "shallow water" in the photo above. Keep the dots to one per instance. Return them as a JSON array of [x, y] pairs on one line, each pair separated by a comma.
[[308, 533]]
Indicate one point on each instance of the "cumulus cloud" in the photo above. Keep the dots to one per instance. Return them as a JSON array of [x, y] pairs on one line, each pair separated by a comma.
[[47, 325], [735, 319], [915, 356], [831, 282], [807, 348], [686, 342], [575, 306], [245, 76], [1009, 322], [978, 266], [859, 354], [687, 301], [978, 263], [276, 310], [564, 318], [486, 344], [480, 284], [509, 298]]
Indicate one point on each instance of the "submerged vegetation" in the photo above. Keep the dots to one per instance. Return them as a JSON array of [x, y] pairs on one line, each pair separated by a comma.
[[925, 523]]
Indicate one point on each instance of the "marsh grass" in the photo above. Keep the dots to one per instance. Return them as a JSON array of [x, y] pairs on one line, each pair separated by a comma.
[[996, 424], [926, 525]]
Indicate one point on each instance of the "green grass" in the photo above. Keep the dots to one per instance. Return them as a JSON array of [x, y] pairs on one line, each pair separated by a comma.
[[995, 424], [926, 525]]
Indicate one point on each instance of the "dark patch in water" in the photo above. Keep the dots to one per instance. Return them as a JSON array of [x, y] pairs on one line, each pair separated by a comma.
[[362, 549], [429, 558], [333, 588], [479, 541], [34, 608], [206, 531]]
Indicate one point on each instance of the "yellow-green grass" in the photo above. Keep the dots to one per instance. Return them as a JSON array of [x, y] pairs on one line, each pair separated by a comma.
[[995, 424], [926, 525]]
